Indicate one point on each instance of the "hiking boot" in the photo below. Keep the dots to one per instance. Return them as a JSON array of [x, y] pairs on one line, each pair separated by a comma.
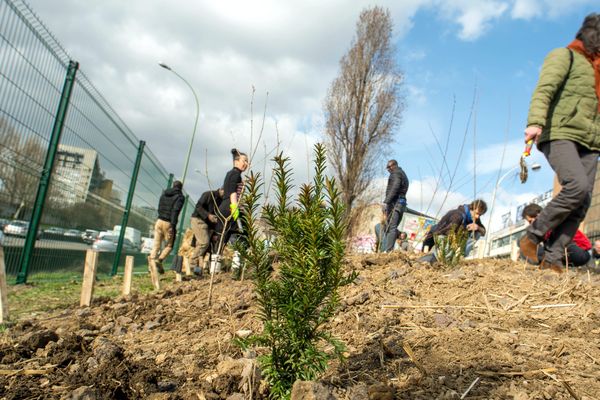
[[528, 248], [559, 269], [159, 266]]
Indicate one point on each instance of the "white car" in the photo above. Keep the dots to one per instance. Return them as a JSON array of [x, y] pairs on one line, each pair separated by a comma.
[[17, 228]]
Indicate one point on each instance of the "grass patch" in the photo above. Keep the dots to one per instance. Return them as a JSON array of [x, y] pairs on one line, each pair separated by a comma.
[[62, 290]]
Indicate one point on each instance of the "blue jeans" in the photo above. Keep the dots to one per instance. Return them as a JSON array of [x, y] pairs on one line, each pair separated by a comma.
[[390, 229]]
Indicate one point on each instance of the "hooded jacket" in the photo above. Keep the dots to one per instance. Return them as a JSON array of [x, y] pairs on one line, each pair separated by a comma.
[[566, 110], [170, 204]]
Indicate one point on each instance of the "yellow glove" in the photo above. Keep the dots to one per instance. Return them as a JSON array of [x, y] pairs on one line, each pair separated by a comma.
[[235, 211]]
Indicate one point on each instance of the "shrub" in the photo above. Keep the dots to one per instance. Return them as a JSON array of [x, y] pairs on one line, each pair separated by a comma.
[[451, 247], [297, 273]]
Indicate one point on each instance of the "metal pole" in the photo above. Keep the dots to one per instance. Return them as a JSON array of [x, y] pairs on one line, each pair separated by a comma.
[[189, 152], [487, 249], [134, 175], [44, 183], [181, 222], [170, 181]]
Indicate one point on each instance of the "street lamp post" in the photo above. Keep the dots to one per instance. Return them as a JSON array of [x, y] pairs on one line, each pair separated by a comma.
[[534, 167], [189, 152]]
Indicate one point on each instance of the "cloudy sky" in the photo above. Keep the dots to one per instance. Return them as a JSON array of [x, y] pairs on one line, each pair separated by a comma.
[[480, 57]]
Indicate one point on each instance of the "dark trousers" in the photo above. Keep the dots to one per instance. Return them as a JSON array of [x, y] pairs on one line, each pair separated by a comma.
[[390, 230], [575, 167]]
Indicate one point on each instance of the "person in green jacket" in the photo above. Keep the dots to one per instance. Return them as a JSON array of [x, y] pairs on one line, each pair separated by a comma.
[[564, 121]]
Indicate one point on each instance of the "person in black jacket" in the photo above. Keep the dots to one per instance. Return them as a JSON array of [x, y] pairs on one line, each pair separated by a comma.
[[229, 208], [467, 216], [169, 207], [204, 220], [394, 205]]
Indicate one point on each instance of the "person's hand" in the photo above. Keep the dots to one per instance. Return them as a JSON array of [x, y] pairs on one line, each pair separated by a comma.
[[472, 227], [212, 218], [532, 132], [235, 211]]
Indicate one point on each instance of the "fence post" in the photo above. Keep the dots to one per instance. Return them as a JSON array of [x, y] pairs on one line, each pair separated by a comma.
[[89, 277], [170, 181], [3, 289], [44, 183], [181, 222], [134, 175]]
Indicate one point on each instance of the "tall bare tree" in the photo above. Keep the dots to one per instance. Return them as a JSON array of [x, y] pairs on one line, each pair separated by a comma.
[[364, 105]]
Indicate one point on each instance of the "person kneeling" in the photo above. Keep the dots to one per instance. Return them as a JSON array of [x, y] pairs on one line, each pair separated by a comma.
[[467, 216], [578, 251]]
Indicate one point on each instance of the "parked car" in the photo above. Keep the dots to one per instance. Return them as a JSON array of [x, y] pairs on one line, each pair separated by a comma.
[[3, 223], [72, 233], [108, 243], [89, 235], [53, 230], [17, 228], [147, 244]]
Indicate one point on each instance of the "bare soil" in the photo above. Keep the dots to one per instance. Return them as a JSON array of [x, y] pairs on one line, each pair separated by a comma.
[[412, 331]]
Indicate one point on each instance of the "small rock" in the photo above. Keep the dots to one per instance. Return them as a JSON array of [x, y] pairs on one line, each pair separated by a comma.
[[123, 320], [309, 390], [86, 332], [107, 327], [443, 320], [39, 339], [119, 306], [358, 392], [82, 393], [236, 396], [166, 386], [92, 363], [106, 351], [392, 347], [151, 325], [160, 358], [83, 312], [360, 298], [243, 333], [119, 330], [380, 391]]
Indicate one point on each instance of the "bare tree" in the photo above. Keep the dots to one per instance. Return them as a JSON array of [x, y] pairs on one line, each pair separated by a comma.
[[363, 105]]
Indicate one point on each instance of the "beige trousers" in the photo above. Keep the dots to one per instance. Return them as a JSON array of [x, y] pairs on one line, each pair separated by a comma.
[[161, 233], [202, 234]]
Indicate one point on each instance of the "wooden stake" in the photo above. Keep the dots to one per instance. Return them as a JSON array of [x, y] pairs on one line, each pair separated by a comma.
[[89, 277], [3, 289], [127, 276], [186, 267], [154, 274]]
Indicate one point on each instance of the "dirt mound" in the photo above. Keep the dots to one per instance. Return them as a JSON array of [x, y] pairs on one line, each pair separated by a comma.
[[412, 332]]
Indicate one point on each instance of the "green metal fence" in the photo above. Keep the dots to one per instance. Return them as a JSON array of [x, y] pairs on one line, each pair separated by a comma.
[[67, 160]]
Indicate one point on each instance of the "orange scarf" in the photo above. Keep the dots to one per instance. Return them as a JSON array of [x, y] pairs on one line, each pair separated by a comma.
[[577, 45]]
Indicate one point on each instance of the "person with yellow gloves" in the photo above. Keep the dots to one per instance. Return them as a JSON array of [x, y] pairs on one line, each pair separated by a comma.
[[229, 209]]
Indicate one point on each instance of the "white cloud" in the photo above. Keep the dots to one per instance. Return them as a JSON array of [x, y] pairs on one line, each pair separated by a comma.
[[474, 17], [526, 9], [530, 9]]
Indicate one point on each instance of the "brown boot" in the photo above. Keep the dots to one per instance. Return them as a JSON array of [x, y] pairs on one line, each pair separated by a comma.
[[554, 267], [529, 249]]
